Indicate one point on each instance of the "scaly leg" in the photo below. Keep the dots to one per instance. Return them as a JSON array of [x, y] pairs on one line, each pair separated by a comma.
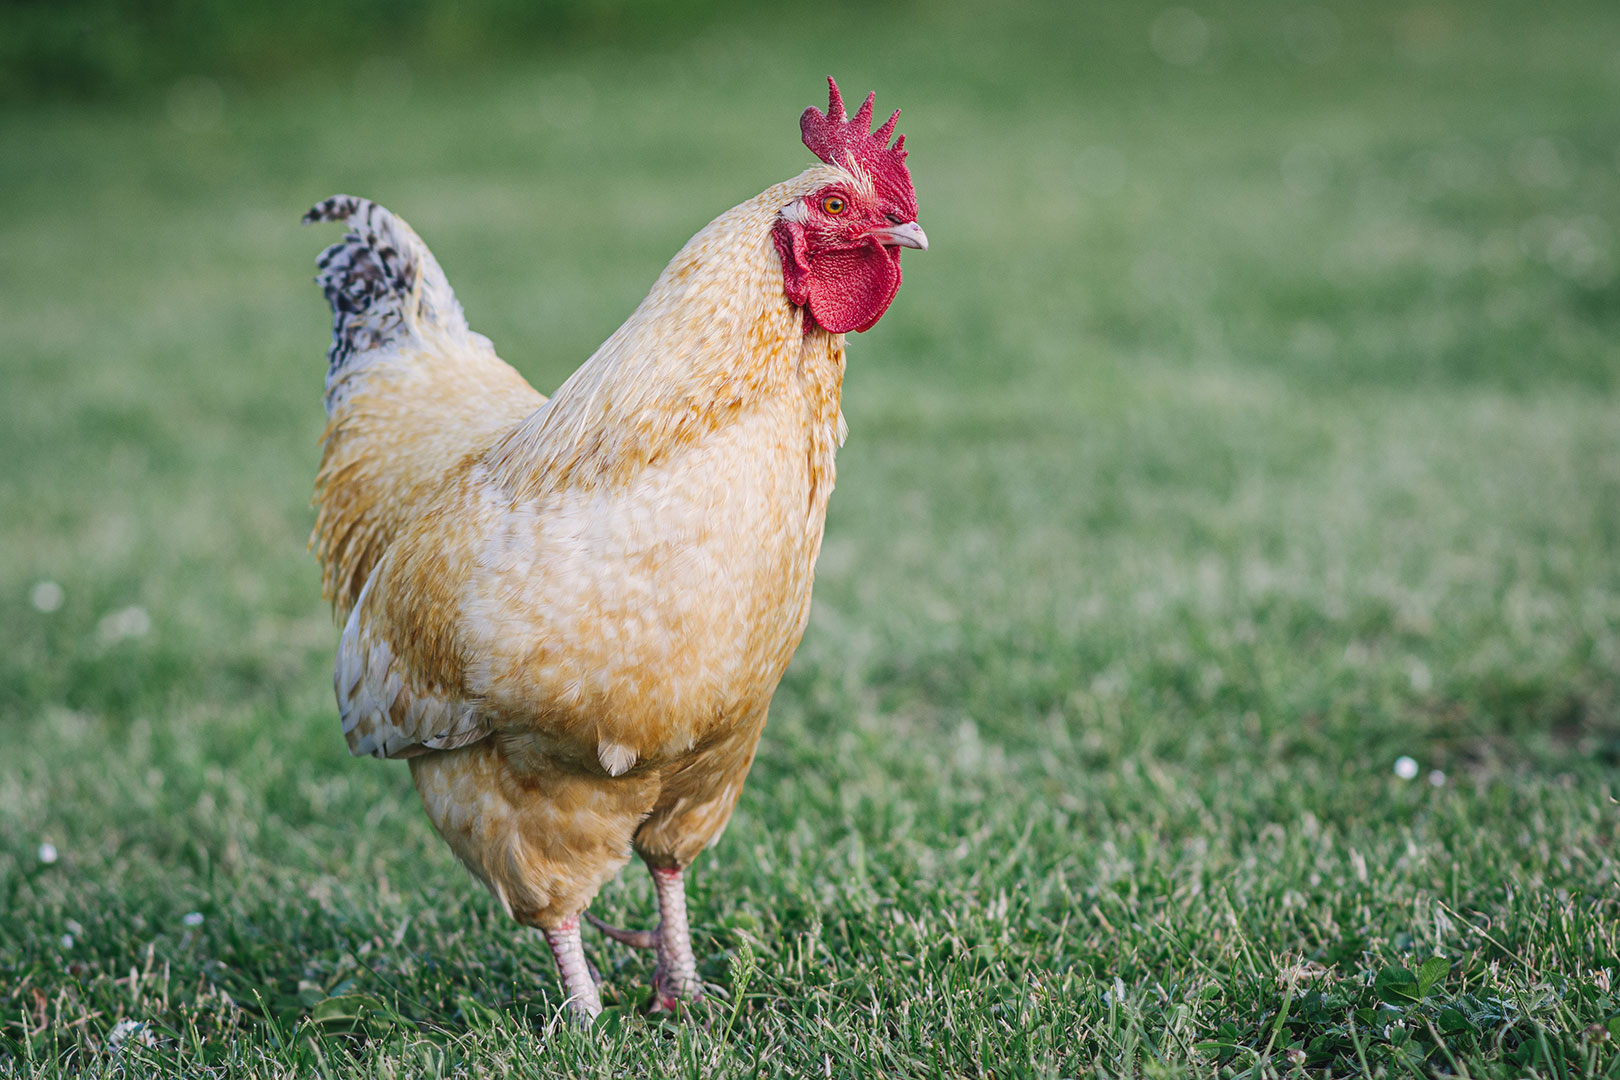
[[675, 978], [584, 1002]]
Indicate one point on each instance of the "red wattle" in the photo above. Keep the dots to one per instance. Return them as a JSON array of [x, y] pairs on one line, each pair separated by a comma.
[[850, 289], [788, 236]]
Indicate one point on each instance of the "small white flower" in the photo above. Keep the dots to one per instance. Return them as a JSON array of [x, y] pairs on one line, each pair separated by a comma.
[[131, 622], [129, 1029], [192, 918], [1437, 778], [47, 596], [1406, 768], [67, 941], [47, 853]]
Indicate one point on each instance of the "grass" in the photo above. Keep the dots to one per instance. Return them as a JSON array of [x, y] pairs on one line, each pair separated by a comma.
[[1251, 425]]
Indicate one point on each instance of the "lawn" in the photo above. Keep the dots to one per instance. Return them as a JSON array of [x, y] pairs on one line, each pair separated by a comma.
[[1215, 662]]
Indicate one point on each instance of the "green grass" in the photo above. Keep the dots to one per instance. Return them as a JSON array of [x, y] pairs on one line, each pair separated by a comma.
[[1251, 425]]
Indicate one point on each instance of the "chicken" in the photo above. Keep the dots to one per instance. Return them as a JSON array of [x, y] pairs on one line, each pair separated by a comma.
[[570, 614]]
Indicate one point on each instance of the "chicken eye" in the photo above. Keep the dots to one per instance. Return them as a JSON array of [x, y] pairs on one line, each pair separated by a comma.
[[833, 204]]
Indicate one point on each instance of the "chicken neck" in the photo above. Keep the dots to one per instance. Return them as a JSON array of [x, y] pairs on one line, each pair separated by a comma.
[[715, 335]]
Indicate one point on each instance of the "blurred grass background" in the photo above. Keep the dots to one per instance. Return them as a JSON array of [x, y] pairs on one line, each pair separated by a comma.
[[1251, 425], [88, 49]]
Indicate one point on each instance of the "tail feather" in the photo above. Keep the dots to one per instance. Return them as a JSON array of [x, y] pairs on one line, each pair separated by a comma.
[[384, 286]]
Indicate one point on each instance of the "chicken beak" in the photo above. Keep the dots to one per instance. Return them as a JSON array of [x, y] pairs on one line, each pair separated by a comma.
[[908, 235]]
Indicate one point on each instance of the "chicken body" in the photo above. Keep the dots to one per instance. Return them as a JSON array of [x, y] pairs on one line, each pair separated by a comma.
[[571, 614]]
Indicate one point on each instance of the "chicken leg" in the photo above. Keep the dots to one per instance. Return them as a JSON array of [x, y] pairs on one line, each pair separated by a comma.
[[584, 1000], [675, 978]]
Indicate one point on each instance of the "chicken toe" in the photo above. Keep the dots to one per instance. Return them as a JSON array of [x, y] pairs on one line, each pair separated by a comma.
[[636, 939]]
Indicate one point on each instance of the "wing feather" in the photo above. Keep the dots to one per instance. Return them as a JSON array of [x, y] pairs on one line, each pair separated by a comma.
[[387, 713]]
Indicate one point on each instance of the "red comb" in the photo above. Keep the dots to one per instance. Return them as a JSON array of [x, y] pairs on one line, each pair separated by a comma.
[[839, 140]]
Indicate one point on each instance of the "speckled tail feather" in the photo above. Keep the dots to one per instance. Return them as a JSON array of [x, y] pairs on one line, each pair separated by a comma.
[[383, 284]]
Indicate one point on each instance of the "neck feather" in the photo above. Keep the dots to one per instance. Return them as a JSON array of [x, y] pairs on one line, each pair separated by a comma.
[[715, 334]]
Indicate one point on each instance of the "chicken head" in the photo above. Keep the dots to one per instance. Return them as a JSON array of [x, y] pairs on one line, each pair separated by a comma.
[[840, 245]]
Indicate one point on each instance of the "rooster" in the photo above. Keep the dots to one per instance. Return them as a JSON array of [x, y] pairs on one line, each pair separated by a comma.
[[570, 614]]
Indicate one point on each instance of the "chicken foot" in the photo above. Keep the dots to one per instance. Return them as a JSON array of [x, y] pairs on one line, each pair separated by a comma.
[[675, 978], [584, 1000]]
